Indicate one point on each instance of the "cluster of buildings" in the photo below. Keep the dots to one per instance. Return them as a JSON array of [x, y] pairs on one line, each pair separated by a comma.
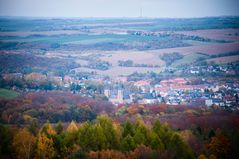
[[174, 91], [228, 69], [177, 91]]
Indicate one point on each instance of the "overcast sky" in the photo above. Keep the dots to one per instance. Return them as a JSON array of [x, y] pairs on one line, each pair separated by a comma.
[[118, 8]]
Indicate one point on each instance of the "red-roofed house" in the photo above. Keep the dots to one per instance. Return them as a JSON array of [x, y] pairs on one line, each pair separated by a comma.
[[141, 83], [189, 87], [172, 82], [180, 81], [163, 91]]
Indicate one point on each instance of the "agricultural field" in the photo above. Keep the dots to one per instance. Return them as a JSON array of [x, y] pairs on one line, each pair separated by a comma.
[[119, 71], [224, 60], [216, 34], [189, 59], [8, 94], [139, 57], [210, 49], [85, 42]]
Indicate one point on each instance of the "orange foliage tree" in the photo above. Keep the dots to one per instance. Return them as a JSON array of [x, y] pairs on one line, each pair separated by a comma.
[[219, 145], [23, 144]]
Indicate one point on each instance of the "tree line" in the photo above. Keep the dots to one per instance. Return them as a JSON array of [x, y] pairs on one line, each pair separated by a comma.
[[103, 138]]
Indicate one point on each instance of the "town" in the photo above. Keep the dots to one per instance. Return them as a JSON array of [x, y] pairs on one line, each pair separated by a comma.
[[190, 90]]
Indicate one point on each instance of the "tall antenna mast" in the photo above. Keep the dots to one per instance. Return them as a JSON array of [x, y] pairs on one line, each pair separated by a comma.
[[141, 12], [140, 9]]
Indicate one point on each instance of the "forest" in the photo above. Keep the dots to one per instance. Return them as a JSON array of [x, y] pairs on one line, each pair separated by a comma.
[[62, 125], [103, 138]]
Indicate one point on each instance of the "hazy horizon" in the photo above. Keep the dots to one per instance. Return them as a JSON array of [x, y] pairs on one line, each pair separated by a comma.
[[118, 9], [81, 17]]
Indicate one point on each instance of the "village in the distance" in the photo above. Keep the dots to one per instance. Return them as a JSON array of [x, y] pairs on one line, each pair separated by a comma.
[[196, 88], [124, 88]]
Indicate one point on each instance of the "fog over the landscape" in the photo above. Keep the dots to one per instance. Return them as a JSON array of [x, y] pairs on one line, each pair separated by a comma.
[[119, 8]]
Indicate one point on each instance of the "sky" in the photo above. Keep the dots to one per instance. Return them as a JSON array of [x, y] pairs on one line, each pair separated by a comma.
[[119, 8]]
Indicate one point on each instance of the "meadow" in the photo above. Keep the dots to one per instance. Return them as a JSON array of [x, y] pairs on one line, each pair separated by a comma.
[[8, 94]]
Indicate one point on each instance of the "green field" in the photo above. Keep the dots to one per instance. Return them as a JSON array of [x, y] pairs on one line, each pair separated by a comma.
[[84, 38], [7, 94], [196, 43], [188, 59]]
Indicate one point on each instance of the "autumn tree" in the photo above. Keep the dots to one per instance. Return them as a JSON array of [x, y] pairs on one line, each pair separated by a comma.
[[172, 141], [180, 149], [163, 132], [23, 143], [99, 138], [141, 152], [47, 129], [33, 127], [86, 136], [128, 129], [106, 154], [110, 132], [59, 128], [141, 133], [6, 137], [92, 137], [219, 145], [72, 127], [192, 140], [202, 156], [128, 144], [45, 149], [154, 141], [69, 144]]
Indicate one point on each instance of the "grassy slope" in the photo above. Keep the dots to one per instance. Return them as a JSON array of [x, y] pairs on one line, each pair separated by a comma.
[[188, 59], [7, 94], [224, 59]]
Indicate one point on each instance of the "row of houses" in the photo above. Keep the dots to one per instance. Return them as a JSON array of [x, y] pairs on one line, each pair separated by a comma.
[[174, 92]]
